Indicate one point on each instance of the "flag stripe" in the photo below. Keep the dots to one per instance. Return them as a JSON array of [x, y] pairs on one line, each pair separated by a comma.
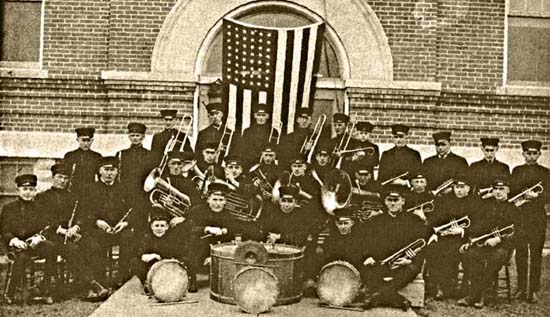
[[279, 75], [239, 117], [247, 105], [295, 77], [304, 50], [287, 77], [232, 105], [312, 43], [319, 38]]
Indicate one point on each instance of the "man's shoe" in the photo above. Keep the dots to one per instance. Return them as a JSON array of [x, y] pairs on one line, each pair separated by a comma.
[[405, 305], [533, 298], [466, 301], [480, 303], [370, 301], [520, 294], [48, 300], [193, 284], [439, 295]]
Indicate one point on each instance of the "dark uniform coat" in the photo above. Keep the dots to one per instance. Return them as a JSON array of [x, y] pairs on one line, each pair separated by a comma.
[[348, 247], [368, 162], [290, 145], [59, 205], [158, 145], [438, 169], [85, 167], [397, 161], [22, 219], [207, 135], [483, 172], [249, 145]]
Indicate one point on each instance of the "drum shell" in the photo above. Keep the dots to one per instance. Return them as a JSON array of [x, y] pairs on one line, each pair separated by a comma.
[[338, 289], [285, 261], [178, 288]]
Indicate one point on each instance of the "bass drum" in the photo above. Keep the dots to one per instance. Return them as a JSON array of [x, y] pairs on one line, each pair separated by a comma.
[[339, 283], [255, 289], [167, 280]]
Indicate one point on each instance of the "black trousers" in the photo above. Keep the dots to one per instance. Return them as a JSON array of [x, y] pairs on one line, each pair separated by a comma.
[[483, 265], [442, 259], [45, 249], [75, 255], [529, 257], [99, 243], [373, 278]]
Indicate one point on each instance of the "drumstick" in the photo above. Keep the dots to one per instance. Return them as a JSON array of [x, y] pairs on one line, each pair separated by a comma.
[[189, 301], [324, 305], [224, 231]]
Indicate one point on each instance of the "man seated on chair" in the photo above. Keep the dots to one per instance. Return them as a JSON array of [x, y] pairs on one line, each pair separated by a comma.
[[158, 245], [385, 235], [483, 260], [23, 225]]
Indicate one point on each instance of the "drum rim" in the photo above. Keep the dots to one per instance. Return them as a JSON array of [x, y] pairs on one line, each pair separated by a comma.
[[342, 262], [346, 264], [256, 268]]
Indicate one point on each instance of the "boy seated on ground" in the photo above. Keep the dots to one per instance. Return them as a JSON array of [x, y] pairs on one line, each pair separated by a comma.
[[158, 245]]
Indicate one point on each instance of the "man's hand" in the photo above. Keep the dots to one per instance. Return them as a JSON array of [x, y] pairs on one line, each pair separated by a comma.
[[401, 182], [401, 262], [217, 231], [73, 231], [148, 257], [369, 261], [531, 195], [103, 225], [35, 241], [493, 242], [18, 244], [420, 214], [273, 237], [207, 261], [432, 239], [454, 231], [61, 231], [176, 221], [120, 226]]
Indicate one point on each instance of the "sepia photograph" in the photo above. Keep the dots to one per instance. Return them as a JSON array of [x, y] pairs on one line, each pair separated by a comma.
[[274, 157]]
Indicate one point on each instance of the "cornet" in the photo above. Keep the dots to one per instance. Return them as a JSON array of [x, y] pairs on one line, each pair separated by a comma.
[[521, 199], [445, 230], [479, 241], [485, 193], [427, 206], [389, 181], [409, 252], [446, 184], [308, 147]]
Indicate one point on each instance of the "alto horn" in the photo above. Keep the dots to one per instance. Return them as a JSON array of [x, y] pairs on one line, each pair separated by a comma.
[[165, 195]]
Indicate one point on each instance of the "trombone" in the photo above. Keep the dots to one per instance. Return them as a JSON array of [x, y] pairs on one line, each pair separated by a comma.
[[521, 198], [308, 147], [171, 145], [276, 131], [336, 159], [225, 143]]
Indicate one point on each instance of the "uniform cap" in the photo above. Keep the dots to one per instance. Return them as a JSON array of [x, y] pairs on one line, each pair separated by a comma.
[[168, 113], [289, 191], [210, 145], [489, 141], [158, 213], [136, 127], [261, 108], [444, 135], [108, 161], [26, 180], [364, 126], [303, 112], [340, 118], [531, 145], [214, 106], [269, 147], [399, 129], [394, 191], [233, 160], [60, 168], [217, 188], [462, 179], [500, 180], [85, 132], [344, 213]]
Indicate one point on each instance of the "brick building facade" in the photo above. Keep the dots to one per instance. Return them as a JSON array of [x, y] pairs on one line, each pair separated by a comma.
[[434, 64]]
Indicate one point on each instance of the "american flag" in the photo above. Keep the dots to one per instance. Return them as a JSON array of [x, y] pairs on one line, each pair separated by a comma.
[[274, 66]]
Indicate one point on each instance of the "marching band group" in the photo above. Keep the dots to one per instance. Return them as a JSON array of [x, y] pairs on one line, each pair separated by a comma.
[[306, 188]]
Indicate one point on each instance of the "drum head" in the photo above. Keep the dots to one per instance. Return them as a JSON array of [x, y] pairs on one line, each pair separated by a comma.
[[338, 284], [168, 281], [251, 252], [256, 290]]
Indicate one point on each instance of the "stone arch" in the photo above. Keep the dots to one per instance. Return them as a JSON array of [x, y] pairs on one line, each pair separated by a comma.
[[356, 33]]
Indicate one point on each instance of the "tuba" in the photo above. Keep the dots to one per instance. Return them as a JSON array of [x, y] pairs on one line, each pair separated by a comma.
[[311, 141], [336, 191], [165, 195], [520, 199]]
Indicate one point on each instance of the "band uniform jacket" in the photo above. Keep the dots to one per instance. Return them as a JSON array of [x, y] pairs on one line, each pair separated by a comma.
[[21, 219], [533, 215], [291, 144], [414, 199], [85, 165], [397, 161], [206, 135], [484, 172], [438, 169], [344, 247], [185, 186], [163, 246], [249, 145], [492, 214], [451, 207], [384, 235], [59, 205], [294, 227], [161, 139], [105, 202]]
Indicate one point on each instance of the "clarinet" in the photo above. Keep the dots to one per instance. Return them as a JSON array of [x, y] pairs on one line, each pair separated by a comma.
[[71, 220]]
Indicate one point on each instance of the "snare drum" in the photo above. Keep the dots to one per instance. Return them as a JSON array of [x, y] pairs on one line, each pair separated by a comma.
[[167, 280], [339, 283], [255, 289], [284, 261]]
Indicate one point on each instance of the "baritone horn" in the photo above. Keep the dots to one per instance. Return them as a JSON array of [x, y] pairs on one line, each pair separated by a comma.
[[166, 196], [521, 198], [308, 147], [445, 230]]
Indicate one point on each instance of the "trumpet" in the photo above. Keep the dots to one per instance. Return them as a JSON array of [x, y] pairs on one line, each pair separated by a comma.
[[445, 230], [336, 159], [166, 196], [479, 241], [225, 143], [276, 131], [521, 199], [409, 252], [485, 192], [446, 184], [308, 147], [427, 206], [366, 211], [171, 145], [389, 181]]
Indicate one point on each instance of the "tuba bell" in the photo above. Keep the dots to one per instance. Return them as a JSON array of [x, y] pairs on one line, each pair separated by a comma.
[[164, 195], [336, 191]]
